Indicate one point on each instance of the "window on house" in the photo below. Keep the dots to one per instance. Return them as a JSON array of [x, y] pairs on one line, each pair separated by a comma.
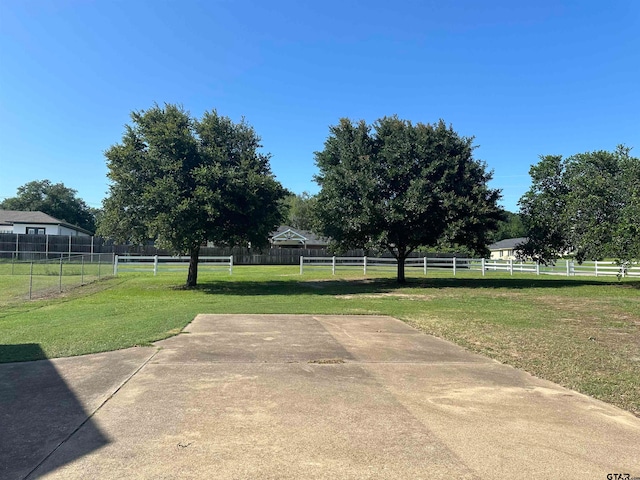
[[35, 231]]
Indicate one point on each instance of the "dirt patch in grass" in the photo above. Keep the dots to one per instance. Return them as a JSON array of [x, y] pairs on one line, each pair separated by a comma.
[[405, 296], [587, 344]]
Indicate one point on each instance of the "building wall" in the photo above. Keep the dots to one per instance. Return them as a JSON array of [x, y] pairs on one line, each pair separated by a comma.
[[22, 228], [504, 254], [72, 232], [48, 229]]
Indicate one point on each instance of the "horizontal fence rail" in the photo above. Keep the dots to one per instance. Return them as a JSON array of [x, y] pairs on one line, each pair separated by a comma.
[[162, 263], [566, 267]]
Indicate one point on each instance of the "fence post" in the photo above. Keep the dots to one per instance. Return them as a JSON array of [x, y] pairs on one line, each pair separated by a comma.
[[482, 265], [511, 266], [425, 265], [454, 266], [365, 264], [82, 271], [155, 265], [46, 247], [230, 264], [30, 280], [567, 267], [596, 268], [13, 262], [69, 246], [99, 262], [60, 277], [537, 267], [17, 241], [115, 266], [333, 265], [301, 263]]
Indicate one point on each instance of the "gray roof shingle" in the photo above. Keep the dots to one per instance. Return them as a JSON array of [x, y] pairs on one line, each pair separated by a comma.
[[18, 216], [508, 243]]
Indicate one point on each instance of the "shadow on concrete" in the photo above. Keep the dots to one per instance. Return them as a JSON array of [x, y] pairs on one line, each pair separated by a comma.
[[38, 413], [342, 287]]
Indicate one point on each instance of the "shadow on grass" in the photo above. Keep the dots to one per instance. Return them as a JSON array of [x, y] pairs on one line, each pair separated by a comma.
[[39, 412], [21, 352], [384, 285]]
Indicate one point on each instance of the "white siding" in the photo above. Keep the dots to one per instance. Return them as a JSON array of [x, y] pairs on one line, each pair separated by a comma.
[[503, 254], [21, 228], [48, 229]]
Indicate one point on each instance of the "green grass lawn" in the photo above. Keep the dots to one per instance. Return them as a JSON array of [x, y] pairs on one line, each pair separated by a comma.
[[43, 278], [583, 333]]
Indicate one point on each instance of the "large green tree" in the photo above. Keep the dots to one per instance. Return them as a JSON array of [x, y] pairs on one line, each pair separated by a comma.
[[300, 210], [183, 181], [543, 211], [399, 186], [510, 227], [53, 199], [587, 204]]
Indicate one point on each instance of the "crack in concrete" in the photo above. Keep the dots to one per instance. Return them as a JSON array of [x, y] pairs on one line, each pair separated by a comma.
[[90, 416]]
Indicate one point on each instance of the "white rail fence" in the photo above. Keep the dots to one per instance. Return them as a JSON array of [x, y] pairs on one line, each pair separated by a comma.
[[568, 268], [161, 263]]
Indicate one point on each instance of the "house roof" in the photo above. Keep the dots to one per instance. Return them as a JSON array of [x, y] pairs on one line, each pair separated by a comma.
[[508, 243], [18, 216], [11, 217], [286, 233]]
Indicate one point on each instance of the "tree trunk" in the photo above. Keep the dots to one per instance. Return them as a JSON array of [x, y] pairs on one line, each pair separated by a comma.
[[192, 276], [402, 255]]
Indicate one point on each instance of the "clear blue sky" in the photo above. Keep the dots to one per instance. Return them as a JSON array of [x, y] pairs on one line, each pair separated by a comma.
[[524, 78]]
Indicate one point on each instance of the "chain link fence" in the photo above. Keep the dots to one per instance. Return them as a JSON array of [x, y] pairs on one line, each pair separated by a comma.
[[25, 277]]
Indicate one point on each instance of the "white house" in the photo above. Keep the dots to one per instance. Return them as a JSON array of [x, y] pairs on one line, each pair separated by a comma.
[[37, 223], [505, 249]]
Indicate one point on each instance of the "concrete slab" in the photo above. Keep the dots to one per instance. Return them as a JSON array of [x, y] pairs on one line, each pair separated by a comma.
[[268, 396], [252, 338], [285, 421], [500, 419], [255, 324], [382, 339], [43, 403]]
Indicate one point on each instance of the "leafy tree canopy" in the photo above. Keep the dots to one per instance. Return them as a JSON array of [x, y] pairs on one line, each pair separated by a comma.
[[183, 181], [510, 227], [300, 210], [400, 186], [587, 204], [53, 199]]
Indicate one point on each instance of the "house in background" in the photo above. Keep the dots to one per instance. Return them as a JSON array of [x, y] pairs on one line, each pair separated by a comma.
[[289, 237], [505, 249], [37, 223]]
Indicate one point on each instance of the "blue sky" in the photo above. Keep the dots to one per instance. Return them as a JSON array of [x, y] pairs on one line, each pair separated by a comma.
[[524, 78]]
